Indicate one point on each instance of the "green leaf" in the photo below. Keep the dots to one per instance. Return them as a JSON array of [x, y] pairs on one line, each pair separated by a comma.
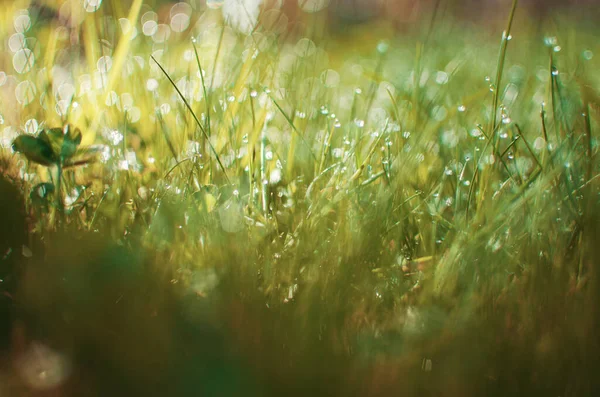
[[54, 137], [51, 146], [71, 141], [35, 149]]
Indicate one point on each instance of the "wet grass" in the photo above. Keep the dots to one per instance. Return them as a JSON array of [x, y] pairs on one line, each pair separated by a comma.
[[287, 212]]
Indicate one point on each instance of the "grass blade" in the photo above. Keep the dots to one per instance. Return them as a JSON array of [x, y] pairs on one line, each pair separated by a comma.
[[194, 116]]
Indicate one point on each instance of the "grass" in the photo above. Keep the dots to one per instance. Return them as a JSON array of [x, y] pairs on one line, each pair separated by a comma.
[[290, 212]]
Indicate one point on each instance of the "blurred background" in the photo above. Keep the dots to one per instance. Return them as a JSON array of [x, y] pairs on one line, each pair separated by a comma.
[[77, 297], [399, 12]]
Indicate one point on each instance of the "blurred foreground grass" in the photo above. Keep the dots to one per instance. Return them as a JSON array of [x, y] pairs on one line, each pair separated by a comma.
[[368, 213]]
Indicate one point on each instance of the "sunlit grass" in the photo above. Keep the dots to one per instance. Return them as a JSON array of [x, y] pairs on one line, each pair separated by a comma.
[[414, 212]]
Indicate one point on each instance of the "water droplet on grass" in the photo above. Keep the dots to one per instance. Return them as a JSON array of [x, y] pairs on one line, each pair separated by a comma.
[[550, 41]]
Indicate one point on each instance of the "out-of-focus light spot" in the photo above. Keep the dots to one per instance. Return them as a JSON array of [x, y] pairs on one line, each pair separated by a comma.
[[377, 116], [113, 136], [99, 79], [214, 4], [62, 107], [7, 137], [162, 34], [91, 5], [180, 16], [25, 92], [510, 93], [2, 78], [449, 138], [151, 85], [539, 143], [441, 77], [149, 28], [85, 84], [274, 21], [541, 74], [180, 22], [149, 16], [43, 368], [550, 41], [134, 114], [66, 91], [439, 113], [330, 78], [140, 61], [275, 176], [31, 126], [305, 47], [312, 5], [588, 55], [105, 154], [112, 99], [475, 132], [165, 108], [188, 55], [231, 216], [126, 27], [22, 23], [126, 101], [104, 63], [382, 47], [16, 42], [192, 148], [242, 15], [181, 8]]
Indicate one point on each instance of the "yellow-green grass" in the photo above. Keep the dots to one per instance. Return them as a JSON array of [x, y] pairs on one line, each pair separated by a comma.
[[340, 211]]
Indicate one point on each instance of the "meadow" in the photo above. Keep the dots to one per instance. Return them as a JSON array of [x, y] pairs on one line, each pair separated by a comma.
[[200, 201]]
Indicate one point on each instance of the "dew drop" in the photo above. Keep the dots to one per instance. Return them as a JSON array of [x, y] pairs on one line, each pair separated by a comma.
[[359, 123]]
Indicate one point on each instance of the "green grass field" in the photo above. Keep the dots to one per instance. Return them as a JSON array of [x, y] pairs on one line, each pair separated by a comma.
[[261, 205]]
